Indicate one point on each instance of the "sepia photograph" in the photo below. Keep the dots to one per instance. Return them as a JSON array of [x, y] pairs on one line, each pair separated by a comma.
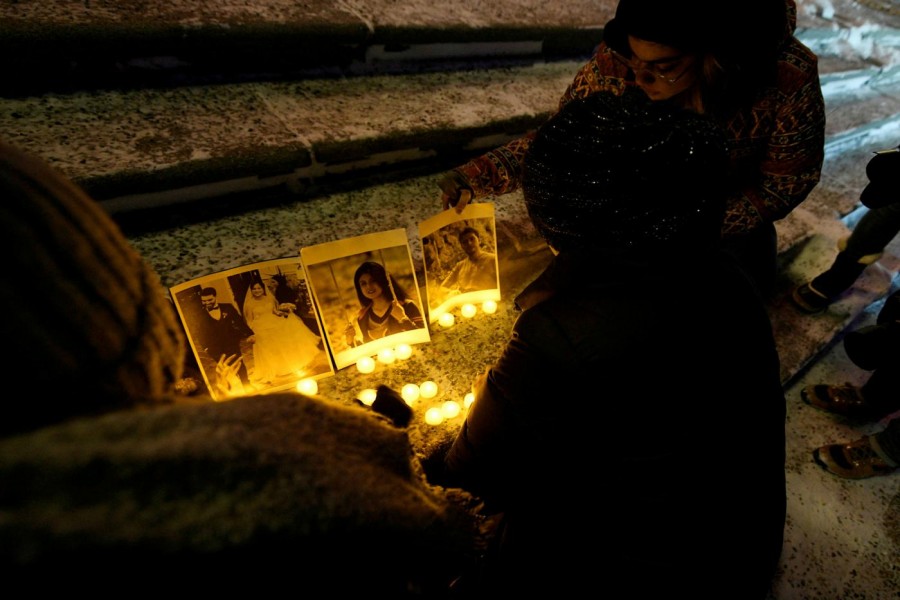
[[253, 329], [367, 294], [460, 257]]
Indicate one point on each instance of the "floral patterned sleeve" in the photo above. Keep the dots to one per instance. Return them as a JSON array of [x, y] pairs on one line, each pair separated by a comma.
[[499, 171], [779, 148]]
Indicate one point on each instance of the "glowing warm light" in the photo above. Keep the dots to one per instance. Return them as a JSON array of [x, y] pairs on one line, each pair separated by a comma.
[[468, 310], [468, 400], [434, 416], [410, 393], [365, 365], [428, 389], [403, 351], [367, 396], [447, 320], [489, 307], [308, 386], [450, 409], [386, 356]]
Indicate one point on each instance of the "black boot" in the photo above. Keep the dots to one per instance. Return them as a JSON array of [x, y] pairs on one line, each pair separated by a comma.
[[839, 276], [890, 311], [816, 295]]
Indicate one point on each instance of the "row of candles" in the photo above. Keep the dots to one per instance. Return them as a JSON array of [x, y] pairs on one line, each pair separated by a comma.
[[411, 392], [468, 311]]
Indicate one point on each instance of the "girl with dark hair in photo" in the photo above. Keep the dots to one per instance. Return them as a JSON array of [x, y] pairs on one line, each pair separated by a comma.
[[386, 308]]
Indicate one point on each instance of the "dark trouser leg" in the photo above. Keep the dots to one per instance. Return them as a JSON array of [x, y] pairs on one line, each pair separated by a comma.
[[888, 441], [756, 253], [881, 390], [890, 311], [839, 276], [872, 233]]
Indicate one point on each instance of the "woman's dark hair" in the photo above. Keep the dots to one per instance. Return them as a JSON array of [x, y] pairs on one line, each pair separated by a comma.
[[392, 290], [746, 58], [736, 63]]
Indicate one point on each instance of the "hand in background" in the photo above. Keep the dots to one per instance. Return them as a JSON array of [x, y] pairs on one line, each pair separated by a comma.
[[227, 380]]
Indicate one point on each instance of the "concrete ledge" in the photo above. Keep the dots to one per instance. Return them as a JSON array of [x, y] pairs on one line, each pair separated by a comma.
[[121, 143]]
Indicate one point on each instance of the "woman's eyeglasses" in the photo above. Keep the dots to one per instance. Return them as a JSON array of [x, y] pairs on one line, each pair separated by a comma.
[[649, 70]]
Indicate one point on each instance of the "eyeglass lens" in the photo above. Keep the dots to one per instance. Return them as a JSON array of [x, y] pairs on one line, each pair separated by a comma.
[[639, 69]]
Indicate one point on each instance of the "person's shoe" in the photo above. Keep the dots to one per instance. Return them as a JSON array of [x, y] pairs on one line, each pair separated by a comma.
[[845, 400], [809, 299], [852, 460]]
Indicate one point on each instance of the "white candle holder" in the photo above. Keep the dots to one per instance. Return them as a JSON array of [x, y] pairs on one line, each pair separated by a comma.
[[367, 396], [428, 389], [308, 387], [365, 365], [410, 393], [434, 416]]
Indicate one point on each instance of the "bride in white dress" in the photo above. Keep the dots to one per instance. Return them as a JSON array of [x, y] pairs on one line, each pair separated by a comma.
[[284, 345]]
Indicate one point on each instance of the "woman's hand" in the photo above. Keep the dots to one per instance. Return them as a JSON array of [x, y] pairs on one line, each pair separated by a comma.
[[480, 382], [454, 191]]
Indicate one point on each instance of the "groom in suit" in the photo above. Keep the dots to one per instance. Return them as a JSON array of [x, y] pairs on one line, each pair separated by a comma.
[[224, 328]]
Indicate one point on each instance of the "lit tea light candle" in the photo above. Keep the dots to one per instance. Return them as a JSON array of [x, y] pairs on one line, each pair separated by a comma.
[[468, 310], [428, 389], [434, 416], [450, 409], [367, 396], [447, 320], [410, 393], [489, 307], [308, 386], [403, 351], [365, 365], [468, 400], [386, 356]]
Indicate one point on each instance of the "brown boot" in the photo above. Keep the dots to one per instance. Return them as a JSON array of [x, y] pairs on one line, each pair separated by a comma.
[[844, 400], [853, 460]]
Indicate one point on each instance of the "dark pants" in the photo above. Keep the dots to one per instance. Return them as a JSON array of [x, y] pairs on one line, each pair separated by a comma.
[[757, 253], [872, 233], [876, 348], [882, 390], [889, 440], [881, 350]]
